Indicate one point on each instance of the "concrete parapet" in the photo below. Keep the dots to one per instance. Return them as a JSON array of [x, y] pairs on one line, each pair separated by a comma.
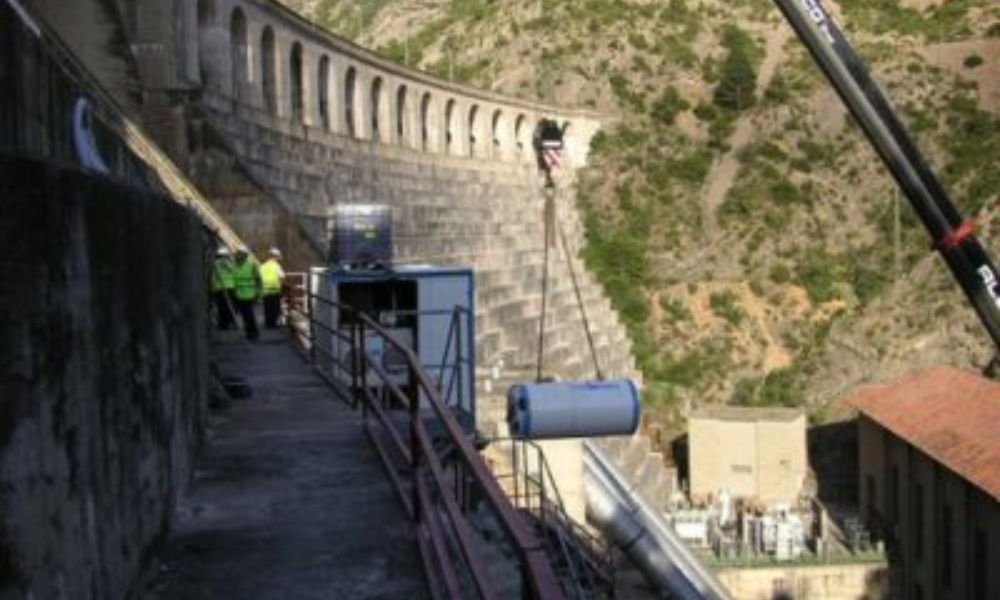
[[103, 376]]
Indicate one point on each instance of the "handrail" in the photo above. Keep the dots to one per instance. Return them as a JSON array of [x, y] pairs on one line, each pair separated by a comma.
[[109, 112], [437, 509], [540, 575], [549, 508]]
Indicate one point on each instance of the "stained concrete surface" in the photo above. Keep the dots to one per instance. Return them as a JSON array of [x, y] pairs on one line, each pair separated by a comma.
[[289, 500]]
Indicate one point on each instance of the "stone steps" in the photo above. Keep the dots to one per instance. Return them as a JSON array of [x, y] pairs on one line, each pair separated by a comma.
[[458, 213]]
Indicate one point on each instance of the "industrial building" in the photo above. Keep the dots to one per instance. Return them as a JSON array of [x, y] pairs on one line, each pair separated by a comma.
[[751, 453], [929, 458]]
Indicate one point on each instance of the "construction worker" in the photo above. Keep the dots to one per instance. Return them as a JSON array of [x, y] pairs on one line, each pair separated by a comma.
[[223, 285], [246, 276], [272, 277]]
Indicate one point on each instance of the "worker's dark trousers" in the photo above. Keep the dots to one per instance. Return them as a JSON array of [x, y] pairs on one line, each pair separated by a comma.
[[249, 318], [223, 311], [272, 310]]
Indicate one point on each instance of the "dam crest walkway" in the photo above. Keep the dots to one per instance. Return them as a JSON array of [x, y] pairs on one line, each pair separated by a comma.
[[288, 500]]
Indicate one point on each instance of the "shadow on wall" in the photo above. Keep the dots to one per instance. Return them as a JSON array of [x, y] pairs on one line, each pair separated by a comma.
[[833, 455], [103, 353]]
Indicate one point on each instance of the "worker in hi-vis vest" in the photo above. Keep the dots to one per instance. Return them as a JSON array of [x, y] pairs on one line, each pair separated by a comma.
[[223, 285], [272, 276], [246, 276]]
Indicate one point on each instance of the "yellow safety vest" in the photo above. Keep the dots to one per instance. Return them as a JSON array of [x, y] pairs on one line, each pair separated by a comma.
[[223, 275], [247, 281], [271, 275]]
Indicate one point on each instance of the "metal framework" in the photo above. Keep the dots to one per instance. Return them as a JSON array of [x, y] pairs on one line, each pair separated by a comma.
[[446, 489]]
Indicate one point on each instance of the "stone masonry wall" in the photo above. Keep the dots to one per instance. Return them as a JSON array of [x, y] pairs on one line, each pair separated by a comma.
[[446, 210], [102, 376]]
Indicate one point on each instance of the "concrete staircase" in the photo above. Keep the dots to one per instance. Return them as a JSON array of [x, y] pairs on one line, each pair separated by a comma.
[[643, 466], [449, 211], [455, 211]]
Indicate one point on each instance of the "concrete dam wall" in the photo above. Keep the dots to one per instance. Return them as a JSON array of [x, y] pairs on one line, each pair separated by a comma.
[[277, 121], [102, 376], [103, 340]]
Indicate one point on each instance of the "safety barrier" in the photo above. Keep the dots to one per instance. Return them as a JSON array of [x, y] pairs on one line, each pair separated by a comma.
[[444, 485], [587, 560]]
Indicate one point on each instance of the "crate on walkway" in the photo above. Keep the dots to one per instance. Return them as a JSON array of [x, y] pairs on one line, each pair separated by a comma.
[[361, 236]]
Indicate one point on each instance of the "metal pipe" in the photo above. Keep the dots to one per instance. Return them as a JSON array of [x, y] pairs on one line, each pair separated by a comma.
[[642, 533]]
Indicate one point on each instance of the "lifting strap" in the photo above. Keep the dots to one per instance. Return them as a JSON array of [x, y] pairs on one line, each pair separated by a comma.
[[579, 303], [551, 227]]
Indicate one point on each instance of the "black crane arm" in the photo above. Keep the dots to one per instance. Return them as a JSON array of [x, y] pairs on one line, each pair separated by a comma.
[[953, 237]]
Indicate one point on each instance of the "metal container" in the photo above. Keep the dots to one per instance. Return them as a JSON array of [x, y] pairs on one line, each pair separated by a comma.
[[577, 409], [362, 236]]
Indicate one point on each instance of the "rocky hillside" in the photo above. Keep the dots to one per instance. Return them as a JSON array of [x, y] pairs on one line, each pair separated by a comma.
[[740, 222]]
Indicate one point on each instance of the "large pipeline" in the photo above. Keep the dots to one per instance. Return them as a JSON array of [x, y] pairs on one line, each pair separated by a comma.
[[642, 533]]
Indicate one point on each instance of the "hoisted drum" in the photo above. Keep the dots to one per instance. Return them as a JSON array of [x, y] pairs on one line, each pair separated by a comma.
[[573, 409]]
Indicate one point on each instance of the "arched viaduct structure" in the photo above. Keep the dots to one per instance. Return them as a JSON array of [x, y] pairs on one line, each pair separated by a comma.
[[286, 121], [258, 55], [278, 121]]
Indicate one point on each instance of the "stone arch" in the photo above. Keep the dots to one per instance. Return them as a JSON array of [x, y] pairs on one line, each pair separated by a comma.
[[350, 89], [497, 134], [473, 137], [379, 127], [425, 124], [522, 137], [207, 69], [206, 13], [449, 127], [402, 120], [239, 52], [296, 94], [323, 91], [268, 71]]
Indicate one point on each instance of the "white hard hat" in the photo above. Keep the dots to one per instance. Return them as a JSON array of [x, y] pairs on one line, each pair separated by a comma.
[[222, 251], [274, 251]]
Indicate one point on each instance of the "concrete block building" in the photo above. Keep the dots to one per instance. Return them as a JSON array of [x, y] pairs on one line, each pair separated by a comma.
[[754, 453], [929, 454]]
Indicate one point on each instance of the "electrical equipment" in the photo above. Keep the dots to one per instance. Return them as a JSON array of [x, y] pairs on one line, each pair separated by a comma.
[[417, 305]]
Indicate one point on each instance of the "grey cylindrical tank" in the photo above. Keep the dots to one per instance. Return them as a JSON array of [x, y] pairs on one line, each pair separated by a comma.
[[577, 409]]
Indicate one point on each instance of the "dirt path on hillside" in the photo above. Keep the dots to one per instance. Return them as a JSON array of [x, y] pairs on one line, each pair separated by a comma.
[[723, 173]]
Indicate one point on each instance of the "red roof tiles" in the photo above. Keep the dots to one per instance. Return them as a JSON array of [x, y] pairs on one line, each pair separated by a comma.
[[951, 415]]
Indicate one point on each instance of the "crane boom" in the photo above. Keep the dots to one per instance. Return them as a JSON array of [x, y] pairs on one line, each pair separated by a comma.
[[953, 236]]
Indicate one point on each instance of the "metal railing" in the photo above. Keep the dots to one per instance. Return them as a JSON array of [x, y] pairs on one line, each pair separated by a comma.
[[586, 560], [444, 485]]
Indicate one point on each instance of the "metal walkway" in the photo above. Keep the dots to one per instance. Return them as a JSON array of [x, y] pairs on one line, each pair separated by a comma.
[[289, 500]]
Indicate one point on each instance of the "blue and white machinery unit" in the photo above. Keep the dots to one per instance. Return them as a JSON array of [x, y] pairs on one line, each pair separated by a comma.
[[428, 308]]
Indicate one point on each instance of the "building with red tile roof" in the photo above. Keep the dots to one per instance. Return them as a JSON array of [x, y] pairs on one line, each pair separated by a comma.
[[929, 468]]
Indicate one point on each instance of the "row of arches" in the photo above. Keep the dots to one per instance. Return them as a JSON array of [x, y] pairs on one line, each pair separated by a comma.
[[313, 91]]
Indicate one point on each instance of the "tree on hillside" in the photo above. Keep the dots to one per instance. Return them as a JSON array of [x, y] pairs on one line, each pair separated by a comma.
[[738, 74]]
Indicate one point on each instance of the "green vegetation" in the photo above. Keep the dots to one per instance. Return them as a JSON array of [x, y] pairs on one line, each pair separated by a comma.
[[674, 311], [972, 61], [726, 305], [703, 365], [666, 108], [946, 21], [762, 192], [974, 146], [807, 207], [781, 387], [738, 74]]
